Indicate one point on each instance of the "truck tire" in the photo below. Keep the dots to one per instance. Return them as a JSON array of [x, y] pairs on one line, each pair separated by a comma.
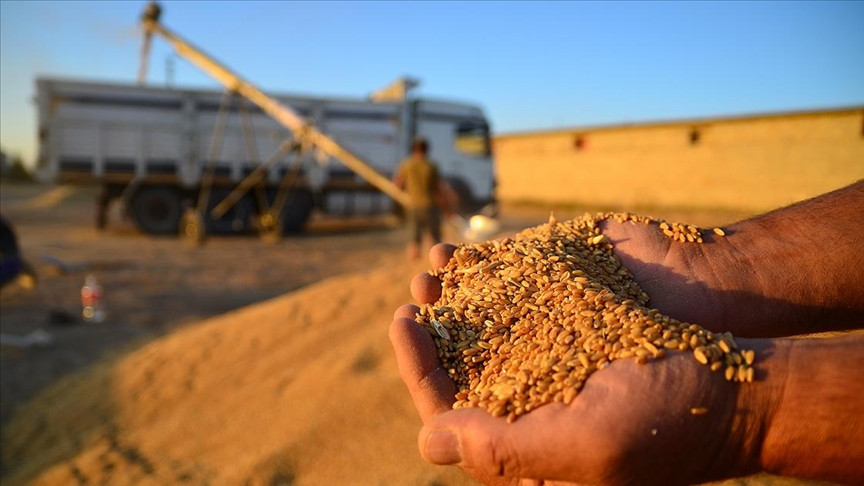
[[296, 212], [156, 209]]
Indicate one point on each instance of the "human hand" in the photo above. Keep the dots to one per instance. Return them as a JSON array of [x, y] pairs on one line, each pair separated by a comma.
[[678, 277], [681, 279], [630, 424], [796, 270]]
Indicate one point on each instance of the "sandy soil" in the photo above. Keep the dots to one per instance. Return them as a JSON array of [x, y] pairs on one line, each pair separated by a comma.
[[178, 387], [151, 285], [291, 391]]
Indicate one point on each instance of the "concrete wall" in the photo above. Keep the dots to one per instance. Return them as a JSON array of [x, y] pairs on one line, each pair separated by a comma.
[[748, 163]]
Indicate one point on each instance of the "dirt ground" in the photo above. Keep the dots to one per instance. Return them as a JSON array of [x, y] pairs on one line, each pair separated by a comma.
[[241, 362], [151, 285]]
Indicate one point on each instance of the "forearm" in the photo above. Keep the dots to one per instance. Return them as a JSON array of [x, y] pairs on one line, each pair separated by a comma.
[[795, 270], [810, 397]]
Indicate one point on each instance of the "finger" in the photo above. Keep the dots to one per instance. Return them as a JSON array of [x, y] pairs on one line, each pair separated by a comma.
[[474, 440], [440, 254], [407, 311], [425, 288], [431, 389], [533, 446]]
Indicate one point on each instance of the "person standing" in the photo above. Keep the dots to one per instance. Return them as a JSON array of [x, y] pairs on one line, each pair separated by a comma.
[[419, 177]]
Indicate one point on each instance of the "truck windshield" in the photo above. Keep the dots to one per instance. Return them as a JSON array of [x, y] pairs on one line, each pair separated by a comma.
[[472, 138]]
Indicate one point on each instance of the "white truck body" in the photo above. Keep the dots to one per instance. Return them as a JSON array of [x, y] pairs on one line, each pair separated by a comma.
[[123, 136]]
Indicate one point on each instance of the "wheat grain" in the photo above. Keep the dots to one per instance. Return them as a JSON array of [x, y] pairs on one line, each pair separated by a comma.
[[525, 321]]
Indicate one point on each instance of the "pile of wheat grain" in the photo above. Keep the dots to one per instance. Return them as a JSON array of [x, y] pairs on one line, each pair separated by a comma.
[[524, 321]]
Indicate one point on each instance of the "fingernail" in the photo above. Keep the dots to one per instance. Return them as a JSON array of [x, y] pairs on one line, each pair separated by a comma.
[[442, 447]]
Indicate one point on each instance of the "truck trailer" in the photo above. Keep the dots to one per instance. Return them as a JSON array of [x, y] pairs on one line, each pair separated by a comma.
[[157, 149]]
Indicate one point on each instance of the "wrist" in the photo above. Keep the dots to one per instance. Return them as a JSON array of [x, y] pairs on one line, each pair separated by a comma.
[[774, 279], [757, 404], [692, 282], [728, 271], [815, 427]]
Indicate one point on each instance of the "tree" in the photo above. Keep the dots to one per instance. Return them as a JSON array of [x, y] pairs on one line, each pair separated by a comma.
[[12, 168]]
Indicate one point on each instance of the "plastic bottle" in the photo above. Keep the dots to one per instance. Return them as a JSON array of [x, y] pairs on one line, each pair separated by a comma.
[[92, 309]]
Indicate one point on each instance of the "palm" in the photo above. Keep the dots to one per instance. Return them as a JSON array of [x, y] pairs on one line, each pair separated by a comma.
[[632, 423], [676, 276], [629, 424], [623, 424]]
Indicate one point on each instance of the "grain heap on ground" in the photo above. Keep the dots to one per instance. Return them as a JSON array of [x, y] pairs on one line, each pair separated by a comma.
[[524, 321], [246, 398]]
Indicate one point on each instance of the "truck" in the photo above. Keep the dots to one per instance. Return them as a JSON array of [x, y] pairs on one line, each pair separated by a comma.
[[160, 150]]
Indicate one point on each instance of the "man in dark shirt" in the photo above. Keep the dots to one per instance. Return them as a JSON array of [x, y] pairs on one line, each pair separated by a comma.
[[419, 177]]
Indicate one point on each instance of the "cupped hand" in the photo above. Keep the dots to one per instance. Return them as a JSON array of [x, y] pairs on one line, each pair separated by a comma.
[[678, 277], [664, 422], [671, 421], [682, 280]]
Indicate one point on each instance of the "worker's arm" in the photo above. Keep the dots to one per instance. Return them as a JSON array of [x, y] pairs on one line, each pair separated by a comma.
[[399, 176], [801, 417], [814, 427], [796, 270], [446, 197]]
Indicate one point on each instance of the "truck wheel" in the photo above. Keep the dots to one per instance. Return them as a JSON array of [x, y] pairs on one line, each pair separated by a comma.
[[296, 211], [156, 209]]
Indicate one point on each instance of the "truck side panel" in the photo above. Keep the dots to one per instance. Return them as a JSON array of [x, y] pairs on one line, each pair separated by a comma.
[[94, 141], [109, 133]]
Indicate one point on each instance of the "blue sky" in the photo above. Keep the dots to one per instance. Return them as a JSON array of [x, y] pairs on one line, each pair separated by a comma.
[[531, 65]]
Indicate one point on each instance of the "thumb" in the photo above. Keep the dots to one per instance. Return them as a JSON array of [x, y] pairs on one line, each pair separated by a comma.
[[486, 446]]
